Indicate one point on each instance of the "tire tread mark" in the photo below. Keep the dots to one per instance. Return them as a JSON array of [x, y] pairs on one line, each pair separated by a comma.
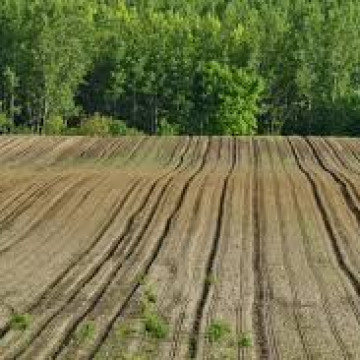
[[211, 261], [157, 249], [342, 184], [325, 305], [36, 223], [114, 248], [99, 236], [327, 223], [265, 339], [285, 249]]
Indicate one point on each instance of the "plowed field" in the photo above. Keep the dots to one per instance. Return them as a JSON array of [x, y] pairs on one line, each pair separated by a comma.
[[144, 248]]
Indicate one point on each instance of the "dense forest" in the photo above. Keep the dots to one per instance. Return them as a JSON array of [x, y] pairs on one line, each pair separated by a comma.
[[234, 67]]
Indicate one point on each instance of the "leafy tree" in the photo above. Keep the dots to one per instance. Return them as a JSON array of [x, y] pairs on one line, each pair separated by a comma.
[[226, 101]]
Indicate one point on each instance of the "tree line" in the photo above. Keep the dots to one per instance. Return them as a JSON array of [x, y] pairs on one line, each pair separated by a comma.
[[199, 67]]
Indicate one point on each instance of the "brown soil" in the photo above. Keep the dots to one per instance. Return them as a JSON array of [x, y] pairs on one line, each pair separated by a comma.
[[259, 234]]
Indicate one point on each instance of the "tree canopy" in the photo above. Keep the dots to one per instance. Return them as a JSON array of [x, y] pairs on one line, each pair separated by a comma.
[[235, 67]]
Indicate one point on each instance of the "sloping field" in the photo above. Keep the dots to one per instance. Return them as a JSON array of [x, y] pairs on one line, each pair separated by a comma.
[[177, 248]]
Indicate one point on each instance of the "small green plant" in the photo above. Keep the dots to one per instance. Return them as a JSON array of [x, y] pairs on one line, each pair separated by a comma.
[[218, 331], [211, 280], [86, 332], [245, 341], [125, 330], [141, 279], [20, 321], [150, 295], [155, 326]]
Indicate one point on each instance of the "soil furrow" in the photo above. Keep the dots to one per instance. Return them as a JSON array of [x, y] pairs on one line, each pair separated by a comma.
[[29, 200], [119, 240], [348, 196], [116, 244], [265, 341], [57, 282], [309, 243], [286, 251], [59, 279], [170, 219], [200, 307], [53, 205], [337, 250]]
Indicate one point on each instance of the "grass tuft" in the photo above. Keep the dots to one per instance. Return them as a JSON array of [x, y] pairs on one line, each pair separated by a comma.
[[246, 341], [218, 331], [86, 332], [20, 321], [155, 325]]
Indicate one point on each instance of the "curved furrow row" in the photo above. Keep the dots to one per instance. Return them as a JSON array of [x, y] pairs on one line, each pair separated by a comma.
[[140, 260], [343, 155], [319, 285], [339, 162], [186, 256], [231, 279], [65, 289], [34, 153], [294, 298], [265, 340], [65, 281], [207, 288], [19, 204], [16, 147], [139, 210], [353, 148], [21, 149], [178, 260], [70, 211], [336, 203], [341, 256], [47, 211], [349, 190]]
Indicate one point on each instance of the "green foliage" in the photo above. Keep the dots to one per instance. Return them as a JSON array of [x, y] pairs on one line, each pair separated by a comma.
[[96, 125], [86, 332], [5, 123], [20, 321], [99, 125], [22, 130], [218, 331], [155, 326], [181, 67], [226, 101], [119, 127], [245, 341], [168, 129], [54, 125]]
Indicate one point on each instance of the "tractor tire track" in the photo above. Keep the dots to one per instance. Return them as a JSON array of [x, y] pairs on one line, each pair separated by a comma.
[[211, 262], [54, 204], [325, 301], [339, 253], [343, 184], [148, 263], [115, 246], [262, 317], [286, 251]]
